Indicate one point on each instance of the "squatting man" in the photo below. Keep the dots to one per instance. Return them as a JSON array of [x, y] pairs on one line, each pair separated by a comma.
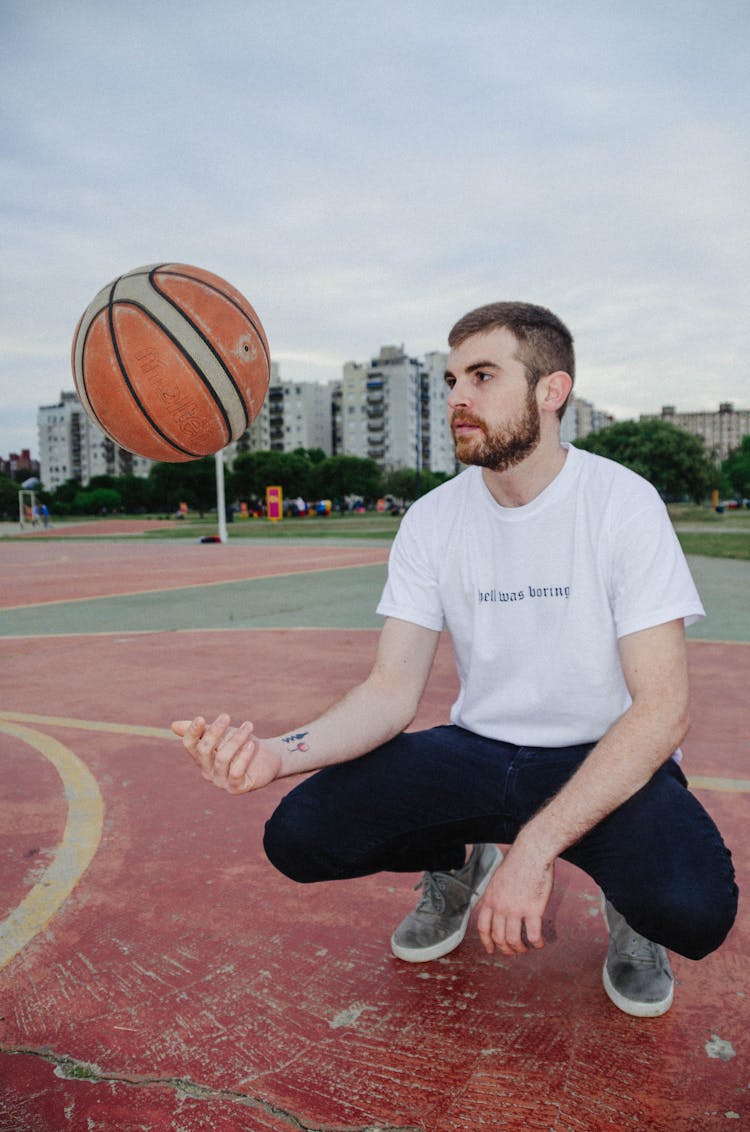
[[564, 738]]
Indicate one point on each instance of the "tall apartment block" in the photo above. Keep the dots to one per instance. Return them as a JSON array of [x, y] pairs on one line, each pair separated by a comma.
[[581, 418], [393, 411], [438, 449], [72, 447], [295, 414], [721, 432]]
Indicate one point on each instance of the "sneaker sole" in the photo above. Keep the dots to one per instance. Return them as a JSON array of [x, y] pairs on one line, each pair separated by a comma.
[[438, 950]]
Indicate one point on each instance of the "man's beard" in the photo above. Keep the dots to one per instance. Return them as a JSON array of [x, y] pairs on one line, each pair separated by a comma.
[[503, 448]]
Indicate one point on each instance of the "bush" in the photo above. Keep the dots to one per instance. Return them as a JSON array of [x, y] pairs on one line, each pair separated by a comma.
[[100, 501]]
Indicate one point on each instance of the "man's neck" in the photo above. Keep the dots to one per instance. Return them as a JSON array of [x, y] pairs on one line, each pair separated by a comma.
[[520, 485]]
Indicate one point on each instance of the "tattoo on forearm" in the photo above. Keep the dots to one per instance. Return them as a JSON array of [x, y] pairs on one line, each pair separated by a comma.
[[294, 742]]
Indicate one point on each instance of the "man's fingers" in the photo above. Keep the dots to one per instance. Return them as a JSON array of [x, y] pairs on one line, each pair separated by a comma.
[[509, 936], [229, 748], [533, 928], [237, 775], [226, 755], [484, 924], [512, 942], [208, 744]]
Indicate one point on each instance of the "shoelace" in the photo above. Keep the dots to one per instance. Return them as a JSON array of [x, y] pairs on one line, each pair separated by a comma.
[[640, 950], [432, 894]]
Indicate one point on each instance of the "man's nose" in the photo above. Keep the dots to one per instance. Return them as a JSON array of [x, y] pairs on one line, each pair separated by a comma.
[[459, 395]]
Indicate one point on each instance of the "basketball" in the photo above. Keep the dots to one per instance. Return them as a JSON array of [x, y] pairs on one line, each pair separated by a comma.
[[171, 362]]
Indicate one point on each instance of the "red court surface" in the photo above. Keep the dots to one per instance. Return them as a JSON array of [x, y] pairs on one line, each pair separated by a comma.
[[102, 528], [158, 974], [52, 571]]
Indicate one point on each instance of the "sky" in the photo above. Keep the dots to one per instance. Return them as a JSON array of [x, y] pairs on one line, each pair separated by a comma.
[[367, 172]]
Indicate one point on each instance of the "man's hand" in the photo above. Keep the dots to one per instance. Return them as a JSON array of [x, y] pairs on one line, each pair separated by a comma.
[[511, 910], [229, 757]]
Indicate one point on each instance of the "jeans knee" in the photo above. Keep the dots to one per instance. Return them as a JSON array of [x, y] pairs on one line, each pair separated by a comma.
[[292, 846], [695, 928], [283, 846]]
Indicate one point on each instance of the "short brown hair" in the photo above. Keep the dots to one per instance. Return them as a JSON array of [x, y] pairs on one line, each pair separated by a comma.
[[544, 342]]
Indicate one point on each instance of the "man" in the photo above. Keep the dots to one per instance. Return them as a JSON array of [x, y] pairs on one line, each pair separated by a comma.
[[563, 587]]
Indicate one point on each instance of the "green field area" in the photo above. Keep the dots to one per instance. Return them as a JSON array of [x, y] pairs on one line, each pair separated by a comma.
[[342, 525], [701, 531], [723, 544]]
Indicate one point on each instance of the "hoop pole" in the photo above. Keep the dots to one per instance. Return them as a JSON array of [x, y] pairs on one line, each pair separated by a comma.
[[220, 503]]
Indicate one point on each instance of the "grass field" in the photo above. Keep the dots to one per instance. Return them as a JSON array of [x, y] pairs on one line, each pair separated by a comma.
[[349, 525], [722, 544]]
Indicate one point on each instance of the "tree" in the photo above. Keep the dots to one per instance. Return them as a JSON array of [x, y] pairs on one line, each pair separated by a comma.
[[675, 462], [61, 499], [407, 484], [8, 497], [253, 472], [338, 476], [97, 501], [137, 493], [193, 482], [735, 470]]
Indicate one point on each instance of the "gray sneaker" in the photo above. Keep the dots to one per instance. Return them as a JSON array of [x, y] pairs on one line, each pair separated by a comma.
[[438, 923], [637, 975]]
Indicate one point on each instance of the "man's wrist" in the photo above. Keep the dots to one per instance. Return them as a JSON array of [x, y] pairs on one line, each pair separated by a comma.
[[537, 842], [292, 747]]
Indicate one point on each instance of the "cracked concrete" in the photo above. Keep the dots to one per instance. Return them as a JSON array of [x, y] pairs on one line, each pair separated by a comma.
[[71, 1069]]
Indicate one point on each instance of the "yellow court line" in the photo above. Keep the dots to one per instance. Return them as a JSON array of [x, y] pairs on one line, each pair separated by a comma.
[[80, 841], [698, 782], [87, 725], [732, 785], [190, 586]]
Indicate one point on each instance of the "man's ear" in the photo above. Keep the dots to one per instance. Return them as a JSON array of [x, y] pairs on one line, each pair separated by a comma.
[[552, 390]]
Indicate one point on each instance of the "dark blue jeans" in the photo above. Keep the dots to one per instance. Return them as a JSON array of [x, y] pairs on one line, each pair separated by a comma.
[[416, 802]]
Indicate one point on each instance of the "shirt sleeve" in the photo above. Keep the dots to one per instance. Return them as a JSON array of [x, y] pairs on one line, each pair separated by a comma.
[[652, 583], [412, 591]]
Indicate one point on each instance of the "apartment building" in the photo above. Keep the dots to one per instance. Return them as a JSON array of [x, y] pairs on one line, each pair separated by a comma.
[[392, 410], [582, 418], [381, 410], [438, 449], [21, 463], [295, 414], [721, 432], [71, 446]]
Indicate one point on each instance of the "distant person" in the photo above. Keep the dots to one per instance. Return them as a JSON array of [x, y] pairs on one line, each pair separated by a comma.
[[564, 589], [44, 512]]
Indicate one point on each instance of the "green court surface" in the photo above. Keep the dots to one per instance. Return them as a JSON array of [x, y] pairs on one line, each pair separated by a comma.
[[337, 598]]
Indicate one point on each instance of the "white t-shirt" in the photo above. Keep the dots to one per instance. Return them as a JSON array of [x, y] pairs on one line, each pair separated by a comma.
[[535, 598]]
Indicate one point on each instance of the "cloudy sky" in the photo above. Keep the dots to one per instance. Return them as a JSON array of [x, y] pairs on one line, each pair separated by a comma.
[[365, 171]]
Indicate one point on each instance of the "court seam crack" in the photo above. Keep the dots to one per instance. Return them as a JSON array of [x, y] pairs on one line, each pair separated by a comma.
[[71, 1069]]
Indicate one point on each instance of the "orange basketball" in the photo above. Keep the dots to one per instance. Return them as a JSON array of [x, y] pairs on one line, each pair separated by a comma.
[[171, 362]]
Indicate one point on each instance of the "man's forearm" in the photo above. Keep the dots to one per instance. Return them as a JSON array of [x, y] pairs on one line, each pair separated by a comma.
[[618, 766], [362, 720], [235, 759], [372, 712]]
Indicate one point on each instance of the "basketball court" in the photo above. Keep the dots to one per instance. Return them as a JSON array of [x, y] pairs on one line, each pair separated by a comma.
[[156, 973]]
